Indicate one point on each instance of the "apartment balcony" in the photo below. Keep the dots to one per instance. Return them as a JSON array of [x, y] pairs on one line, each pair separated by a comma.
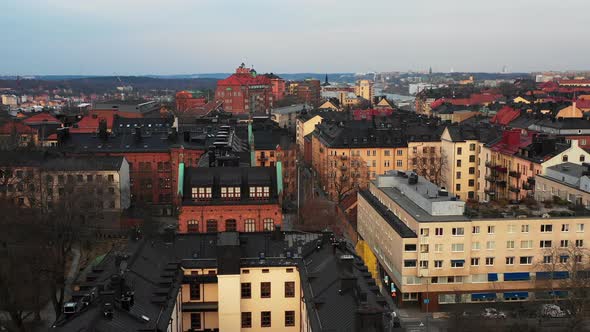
[[528, 186], [514, 174], [343, 157], [491, 179], [490, 192], [501, 169], [490, 164], [501, 184], [514, 189], [531, 180]]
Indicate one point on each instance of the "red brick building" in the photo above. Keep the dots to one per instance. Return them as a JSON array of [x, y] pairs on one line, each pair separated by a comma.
[[245, 92], [307, 92], [243, 199], [278, 86], [186, 100]]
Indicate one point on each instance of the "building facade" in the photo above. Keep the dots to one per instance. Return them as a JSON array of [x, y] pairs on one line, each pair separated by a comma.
[[245, 92]]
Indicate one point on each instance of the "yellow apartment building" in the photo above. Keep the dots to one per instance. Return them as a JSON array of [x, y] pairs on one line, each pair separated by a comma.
[[364, 89], [428, 249]]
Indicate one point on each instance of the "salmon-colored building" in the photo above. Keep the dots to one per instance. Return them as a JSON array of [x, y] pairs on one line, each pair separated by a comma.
[[245, 92]]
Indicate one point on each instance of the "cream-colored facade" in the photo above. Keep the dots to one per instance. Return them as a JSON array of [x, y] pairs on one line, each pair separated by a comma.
[[222, 303], [364, 89], [460, 167], [305, 127], [454, 259]]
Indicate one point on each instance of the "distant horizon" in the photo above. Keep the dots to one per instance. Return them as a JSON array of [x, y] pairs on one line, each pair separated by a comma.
[[134, 38]]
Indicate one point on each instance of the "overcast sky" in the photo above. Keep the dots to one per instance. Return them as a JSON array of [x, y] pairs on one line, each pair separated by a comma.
[[131, 37]]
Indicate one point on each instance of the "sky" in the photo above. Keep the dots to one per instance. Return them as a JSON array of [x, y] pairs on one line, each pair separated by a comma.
[[135, 37]]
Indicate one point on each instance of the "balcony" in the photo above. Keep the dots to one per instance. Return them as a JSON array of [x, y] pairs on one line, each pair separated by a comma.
[[343, 157], [491, 179], [501, 184], [501, 169], [528, 186], [490, 164], [514, 189], [514, 174], [490, 192], [531, 180]]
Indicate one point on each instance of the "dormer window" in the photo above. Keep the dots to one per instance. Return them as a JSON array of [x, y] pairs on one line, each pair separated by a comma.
[[230, 192], [259, 192], [201, 192]]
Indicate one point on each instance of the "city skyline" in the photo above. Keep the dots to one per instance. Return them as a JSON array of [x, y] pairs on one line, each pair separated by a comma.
[[67, 37]]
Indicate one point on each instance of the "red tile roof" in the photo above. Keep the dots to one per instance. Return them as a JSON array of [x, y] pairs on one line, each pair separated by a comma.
[[244, 79], [505, 115], [41, 118], [89, 123], [15, 127], [512, 141], [583, 103], [474, 99]]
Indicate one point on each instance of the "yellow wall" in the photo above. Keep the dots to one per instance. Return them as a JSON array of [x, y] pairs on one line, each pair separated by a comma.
[[229, 306]]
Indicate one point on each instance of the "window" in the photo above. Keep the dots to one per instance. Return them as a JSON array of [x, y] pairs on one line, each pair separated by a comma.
[[471, 183], [111, 178], [192, 226], [489, 261], [475, 230], [579, 228], [458, 162], [387, 153], [474, 261], [424, 248], [438, 264], [510, 244], [424, 232], [458, 185], [196, 321], [524, 228], [578, 258], [565, 227], [246, 319], [491, 229], [457, 247], [472, 147], [457, 263], [475, 246], [490, 245], [438, 231], [423, 264], [249, 225], [265, 289], [564, 258], [399, 163], [511, 228], [471, 170], [410, 263], [564, 243], [289, 318], [246, 290], [230, 192], [458, 231], [472, 159], [547, 259], [546, 228], [211, 226], [195, 290], [509, 260], [200, 192], [459, 151], [526, 244], [265, 319], [268, 224], [400, 152], [231, 225], [526, 260], [438, 247], [564, 158], [545, 244], [410, 247], [579, 243], [289, 289]]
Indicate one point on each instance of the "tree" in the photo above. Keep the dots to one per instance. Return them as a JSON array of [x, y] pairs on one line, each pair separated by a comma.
[[345, 175], [430, 164], [318, 214], [567, 270]]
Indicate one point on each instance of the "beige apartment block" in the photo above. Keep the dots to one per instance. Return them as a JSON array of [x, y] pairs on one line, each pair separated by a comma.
[[429, 250]]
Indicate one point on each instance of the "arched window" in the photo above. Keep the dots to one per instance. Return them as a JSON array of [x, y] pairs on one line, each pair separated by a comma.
[[192, 226], [564, 158], [268, 224], [249, 225], [211, 226], [231, 225]]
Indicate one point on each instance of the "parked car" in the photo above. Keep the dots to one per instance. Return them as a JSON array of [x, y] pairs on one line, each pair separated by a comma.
[[491, 313], [553, 311]]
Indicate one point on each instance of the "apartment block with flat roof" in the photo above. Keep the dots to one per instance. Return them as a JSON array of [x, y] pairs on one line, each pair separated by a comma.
[[429, 249]]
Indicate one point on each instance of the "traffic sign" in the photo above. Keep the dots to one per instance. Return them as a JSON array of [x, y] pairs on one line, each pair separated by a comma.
[[426, 301]]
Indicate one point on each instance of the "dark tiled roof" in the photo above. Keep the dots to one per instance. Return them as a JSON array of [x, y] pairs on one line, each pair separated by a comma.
[[399, 226], [57, 162], [127, 142]]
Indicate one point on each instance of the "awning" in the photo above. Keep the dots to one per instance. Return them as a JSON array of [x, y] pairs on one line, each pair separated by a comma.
[[515, 276], [199, 306], [455, 261], [520, 295], [552, 275], [483, 296], [492, 277]]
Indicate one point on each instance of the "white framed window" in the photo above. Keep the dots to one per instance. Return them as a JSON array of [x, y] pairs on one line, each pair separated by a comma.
[[438, 264], [510, 244], [423, 264], [565, 227], [475, 230], [491, 229], [438, 247], [475, 261], [526, 260], [526, 244], [424, 232], [489, 261], [457, 263], [546, 228], [511, 228], [545, 244], [547, 259], [475, 246], [579, 228], [564, 258], [249, 225], [438, 231], [491, 245], [564, 243], [510, 260], [457, 247], [458, 231], [524, 228], [579, 243], [200, 192]]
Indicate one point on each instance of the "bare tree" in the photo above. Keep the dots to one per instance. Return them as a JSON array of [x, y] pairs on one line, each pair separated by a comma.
[[567, 269], [430, 165], [346, 175]]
